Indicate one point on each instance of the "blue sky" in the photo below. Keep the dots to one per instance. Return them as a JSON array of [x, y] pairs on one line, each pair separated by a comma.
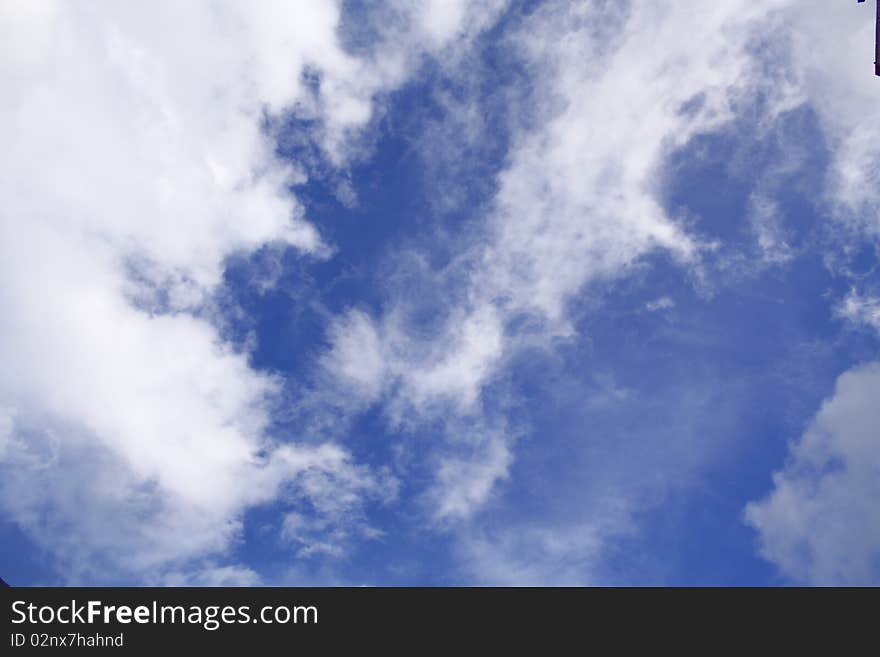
[[440, 293]]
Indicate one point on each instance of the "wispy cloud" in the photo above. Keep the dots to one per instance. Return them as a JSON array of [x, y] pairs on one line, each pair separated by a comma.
[[861, 310], [576, 204]]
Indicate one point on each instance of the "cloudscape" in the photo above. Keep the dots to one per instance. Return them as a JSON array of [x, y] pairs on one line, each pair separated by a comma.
[[439, 292]]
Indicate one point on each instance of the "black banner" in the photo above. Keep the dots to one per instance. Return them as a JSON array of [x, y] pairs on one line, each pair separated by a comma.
[[154, 619]]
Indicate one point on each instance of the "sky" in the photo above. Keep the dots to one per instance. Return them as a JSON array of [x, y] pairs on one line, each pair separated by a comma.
[[435, 292]]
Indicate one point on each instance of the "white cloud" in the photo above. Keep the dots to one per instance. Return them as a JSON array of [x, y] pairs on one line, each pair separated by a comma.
[[766, 219], [136, 160], [820, 524], [833, 46], [356, 357], [311, 537], [233, 575], [662, 303], [441, 19], [367, 356], [533, 555], [861, 310], [577, 203], [618, 89], [458, 370], [467, 475]]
